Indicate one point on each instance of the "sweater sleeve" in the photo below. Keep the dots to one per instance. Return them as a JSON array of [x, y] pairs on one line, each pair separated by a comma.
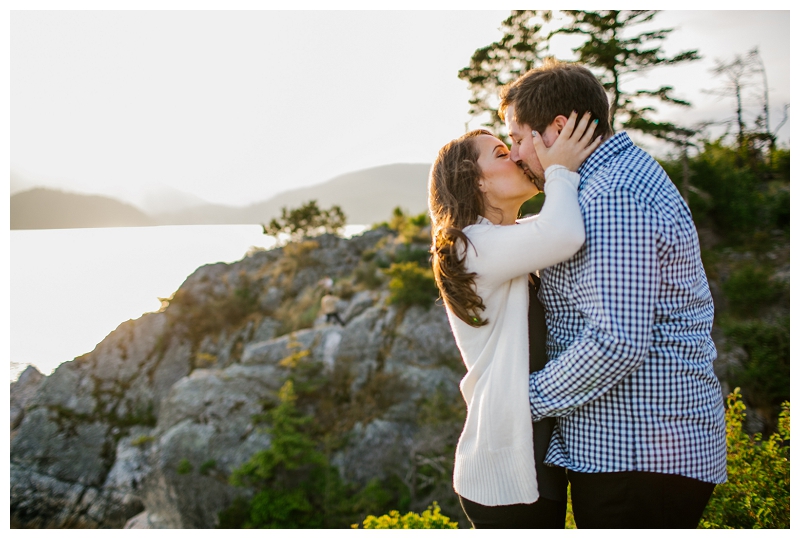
[[504, 252]]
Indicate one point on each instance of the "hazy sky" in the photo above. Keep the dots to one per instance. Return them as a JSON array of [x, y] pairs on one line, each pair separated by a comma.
[[236, 106]]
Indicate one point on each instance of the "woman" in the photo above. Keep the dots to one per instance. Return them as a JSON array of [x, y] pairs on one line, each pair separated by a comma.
[[482, 268]]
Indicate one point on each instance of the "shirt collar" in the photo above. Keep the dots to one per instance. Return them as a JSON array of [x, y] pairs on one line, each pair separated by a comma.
[[616, 144]]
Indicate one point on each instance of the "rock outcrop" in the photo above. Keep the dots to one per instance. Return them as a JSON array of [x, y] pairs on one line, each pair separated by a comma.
[[144, 431]]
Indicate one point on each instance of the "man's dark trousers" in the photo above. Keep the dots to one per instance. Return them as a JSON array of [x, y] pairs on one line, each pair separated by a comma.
[[641, 500]]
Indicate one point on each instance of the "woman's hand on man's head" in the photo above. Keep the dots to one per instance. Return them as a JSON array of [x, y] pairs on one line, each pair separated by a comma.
[[572, 146]]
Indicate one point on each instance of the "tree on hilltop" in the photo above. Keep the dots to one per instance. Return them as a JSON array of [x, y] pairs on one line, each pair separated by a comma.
[[306, 221]]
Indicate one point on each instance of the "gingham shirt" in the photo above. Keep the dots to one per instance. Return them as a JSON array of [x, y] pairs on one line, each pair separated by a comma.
[[629, 317]]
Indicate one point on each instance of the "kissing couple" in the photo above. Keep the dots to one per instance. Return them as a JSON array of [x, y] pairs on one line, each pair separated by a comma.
[[585, 329]]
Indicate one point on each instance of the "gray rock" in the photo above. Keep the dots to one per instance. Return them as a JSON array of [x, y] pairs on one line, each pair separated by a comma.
[[22, 391], [423, 338], [271, 352], [138, 522], [363, 337], [40, 501], [205, 431], [213, 396], [174, 365], [379, 448], [266, 330], [69, 387], [131, 463], [122, 355], [168, 489], [71, 448], [330, 347], [271, 300], [359, 303]]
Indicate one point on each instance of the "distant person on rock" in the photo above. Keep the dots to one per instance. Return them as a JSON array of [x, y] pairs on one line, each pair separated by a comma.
[[483, 262], [329, 307]]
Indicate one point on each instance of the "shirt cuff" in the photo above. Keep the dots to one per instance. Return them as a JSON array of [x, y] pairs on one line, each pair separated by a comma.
[[538, 409], [536, 415]]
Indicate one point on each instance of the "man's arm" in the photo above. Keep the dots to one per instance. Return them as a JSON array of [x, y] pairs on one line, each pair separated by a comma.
[[616, 287]]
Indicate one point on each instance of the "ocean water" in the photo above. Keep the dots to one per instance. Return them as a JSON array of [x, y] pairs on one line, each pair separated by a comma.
[[71, 288]]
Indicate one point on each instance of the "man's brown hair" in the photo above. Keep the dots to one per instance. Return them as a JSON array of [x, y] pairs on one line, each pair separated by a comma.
[[556, 88]]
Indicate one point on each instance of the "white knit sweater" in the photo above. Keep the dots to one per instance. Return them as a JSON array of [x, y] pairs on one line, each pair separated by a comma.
[[494, 458]]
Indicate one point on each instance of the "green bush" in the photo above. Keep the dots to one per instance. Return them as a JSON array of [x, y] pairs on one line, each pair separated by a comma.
[[756, 494], [750, 288], [764, 374], [184, 467], [144, 439], [779, 206], [738, 197], [295, 485], [408, 227], [532, 206], [207, 466], [411, 285], [368, 275], [735, 203], [431, 519], [291, 477], [409, 252]]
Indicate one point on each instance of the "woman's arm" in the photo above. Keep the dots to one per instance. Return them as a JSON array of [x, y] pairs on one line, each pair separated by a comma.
[[504, 252]]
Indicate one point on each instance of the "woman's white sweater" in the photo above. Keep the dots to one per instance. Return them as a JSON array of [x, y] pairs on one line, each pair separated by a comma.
[[494, 458]]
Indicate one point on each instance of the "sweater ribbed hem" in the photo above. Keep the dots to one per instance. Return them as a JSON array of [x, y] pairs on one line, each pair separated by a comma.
[[503, 477]]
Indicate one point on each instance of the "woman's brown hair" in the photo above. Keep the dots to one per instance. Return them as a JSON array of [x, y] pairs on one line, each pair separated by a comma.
[[455, 201]]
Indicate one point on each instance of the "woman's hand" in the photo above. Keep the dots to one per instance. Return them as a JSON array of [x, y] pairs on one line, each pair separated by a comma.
[[572, 146]]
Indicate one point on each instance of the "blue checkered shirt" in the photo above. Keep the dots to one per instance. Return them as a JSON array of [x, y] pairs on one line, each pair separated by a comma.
[[629, 317]]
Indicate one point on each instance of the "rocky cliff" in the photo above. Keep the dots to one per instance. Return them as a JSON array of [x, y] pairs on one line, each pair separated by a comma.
[[147, 428]]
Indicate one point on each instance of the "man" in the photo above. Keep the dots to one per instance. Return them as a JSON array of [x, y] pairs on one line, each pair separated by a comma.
[[640, 417]]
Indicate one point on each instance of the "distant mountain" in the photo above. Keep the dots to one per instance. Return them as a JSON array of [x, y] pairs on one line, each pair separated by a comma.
[[49, 208], [366, 197], [166, 200]]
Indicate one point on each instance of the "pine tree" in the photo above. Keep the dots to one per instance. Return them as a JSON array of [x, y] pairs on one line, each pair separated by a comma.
[[615, 57], [520, 49]]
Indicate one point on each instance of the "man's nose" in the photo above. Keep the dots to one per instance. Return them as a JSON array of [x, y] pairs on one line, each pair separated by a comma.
[[514, 152]]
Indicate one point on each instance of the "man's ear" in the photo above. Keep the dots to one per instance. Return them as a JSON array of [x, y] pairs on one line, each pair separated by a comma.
[[559, 122]]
